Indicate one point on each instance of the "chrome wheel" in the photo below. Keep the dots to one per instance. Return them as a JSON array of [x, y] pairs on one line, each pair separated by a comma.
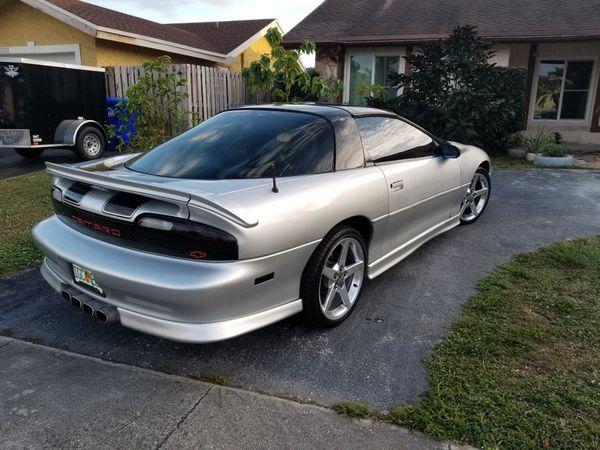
[[476, 197], [341, 278], [91, 144]]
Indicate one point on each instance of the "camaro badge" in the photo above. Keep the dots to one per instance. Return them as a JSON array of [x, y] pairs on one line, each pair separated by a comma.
[[11, 71]]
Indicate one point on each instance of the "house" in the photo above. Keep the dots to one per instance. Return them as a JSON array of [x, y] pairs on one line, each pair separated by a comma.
[[72, 31], [558, 41]]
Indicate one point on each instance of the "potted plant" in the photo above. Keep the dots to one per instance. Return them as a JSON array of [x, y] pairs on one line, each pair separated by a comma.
[[536, 143], [516, 146], [553, 155]]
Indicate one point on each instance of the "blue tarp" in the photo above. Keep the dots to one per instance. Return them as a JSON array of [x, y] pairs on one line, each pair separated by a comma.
[[113, 119]]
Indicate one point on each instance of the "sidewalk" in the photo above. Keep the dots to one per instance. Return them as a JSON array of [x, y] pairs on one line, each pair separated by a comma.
[[56, 399]]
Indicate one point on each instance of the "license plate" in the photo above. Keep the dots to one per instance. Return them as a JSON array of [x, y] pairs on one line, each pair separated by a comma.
[[84, 276]]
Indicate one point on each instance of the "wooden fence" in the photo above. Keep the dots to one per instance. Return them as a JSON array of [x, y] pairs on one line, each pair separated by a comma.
[[210, 90]]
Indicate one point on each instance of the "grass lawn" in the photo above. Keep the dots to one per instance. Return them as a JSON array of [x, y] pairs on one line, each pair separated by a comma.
[[24, 201], [521, 368], [504, 162]]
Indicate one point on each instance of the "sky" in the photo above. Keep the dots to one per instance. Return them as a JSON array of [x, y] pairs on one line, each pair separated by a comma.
[[287, 12]]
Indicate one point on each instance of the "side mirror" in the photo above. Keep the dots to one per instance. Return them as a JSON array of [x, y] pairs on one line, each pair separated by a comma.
[[448, 150]]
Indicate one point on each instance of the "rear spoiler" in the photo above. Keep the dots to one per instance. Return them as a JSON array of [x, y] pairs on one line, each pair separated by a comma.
[[94, 174], [117, 184]]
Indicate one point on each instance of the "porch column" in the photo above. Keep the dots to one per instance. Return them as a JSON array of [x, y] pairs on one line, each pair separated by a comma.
[[407, 66], [529, 82], [595, 127]]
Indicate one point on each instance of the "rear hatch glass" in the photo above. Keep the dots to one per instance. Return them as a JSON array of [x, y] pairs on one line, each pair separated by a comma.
[[239, 144]]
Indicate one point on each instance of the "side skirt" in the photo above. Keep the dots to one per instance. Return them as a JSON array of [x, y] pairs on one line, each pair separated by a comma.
[[382, 264]]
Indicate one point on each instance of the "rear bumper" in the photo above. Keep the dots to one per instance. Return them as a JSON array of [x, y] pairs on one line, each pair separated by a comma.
[[188, 301]]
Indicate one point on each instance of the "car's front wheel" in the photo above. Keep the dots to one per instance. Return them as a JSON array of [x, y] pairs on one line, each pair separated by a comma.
[[476, 197], [334, 277]]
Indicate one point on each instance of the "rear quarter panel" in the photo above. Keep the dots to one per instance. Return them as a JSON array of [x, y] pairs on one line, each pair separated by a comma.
[[304, 210]]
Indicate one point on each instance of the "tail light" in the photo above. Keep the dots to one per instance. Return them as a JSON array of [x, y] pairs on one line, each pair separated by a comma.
[[152, 233], [185, 238]]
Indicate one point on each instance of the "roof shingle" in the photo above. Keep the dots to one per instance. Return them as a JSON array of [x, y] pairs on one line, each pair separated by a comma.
[[225, 36], [217, 37], [385, 21], [108, 18]]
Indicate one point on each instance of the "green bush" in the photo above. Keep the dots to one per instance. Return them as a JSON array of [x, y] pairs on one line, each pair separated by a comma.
[[154, 105], [552, 149], [453, 91], [281, 75], [536, 143]]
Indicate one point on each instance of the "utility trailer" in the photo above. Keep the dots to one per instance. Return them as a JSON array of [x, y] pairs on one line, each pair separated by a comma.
[[46, 105]]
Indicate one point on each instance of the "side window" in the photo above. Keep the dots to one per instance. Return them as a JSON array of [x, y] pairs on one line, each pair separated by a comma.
[[389, 139]]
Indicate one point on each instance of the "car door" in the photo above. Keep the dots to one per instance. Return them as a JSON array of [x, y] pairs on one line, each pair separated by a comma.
[[421, 183]]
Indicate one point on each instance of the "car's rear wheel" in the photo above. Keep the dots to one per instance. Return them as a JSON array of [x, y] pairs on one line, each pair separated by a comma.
[[476, 198], [29, 153], [334, 276], [90, 143]]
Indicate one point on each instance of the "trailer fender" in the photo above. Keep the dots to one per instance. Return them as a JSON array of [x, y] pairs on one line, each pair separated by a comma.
[[67, 130]]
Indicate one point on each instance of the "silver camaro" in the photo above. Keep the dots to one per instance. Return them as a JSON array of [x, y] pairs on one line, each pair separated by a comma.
[[255, 215]]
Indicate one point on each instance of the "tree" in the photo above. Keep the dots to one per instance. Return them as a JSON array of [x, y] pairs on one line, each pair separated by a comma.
[[453, 91], [153, 105], [282, 76]]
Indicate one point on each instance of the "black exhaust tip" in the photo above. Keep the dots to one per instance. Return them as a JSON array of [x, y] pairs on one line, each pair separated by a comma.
[[107, 314], [66, 295], [88, 309], [76, 302], [102, 317]]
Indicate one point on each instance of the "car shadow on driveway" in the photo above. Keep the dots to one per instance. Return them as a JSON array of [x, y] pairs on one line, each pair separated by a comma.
[[378, 354]]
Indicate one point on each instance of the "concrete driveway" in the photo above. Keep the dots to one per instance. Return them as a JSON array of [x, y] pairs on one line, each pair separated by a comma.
[[376, 356]]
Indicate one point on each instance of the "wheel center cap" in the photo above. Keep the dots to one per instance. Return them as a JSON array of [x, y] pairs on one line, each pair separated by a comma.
[[340, 277]]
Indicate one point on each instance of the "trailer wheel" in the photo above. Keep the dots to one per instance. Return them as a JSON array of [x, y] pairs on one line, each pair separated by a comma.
[[29, 153], [90, 143]]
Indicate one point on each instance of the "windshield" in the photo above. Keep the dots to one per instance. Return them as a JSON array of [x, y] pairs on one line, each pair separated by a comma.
[[245, 144]]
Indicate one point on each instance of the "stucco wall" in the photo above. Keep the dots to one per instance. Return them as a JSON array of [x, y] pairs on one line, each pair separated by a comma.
[[569, 49], [251, 54], [20, 24], [519, 55], [111, 53], [502, 56]]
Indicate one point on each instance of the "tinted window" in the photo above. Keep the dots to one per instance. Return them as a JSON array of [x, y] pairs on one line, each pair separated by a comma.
[[245, 144], [386, 139]]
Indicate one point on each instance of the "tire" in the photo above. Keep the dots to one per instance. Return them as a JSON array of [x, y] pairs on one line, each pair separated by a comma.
[[477, 197], [325, 279], [90, 144], [29, 153]]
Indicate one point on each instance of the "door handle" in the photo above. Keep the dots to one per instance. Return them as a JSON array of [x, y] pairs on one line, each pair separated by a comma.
[[397, 186]]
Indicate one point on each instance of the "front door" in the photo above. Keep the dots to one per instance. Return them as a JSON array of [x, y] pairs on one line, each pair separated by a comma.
[[421, 184]]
